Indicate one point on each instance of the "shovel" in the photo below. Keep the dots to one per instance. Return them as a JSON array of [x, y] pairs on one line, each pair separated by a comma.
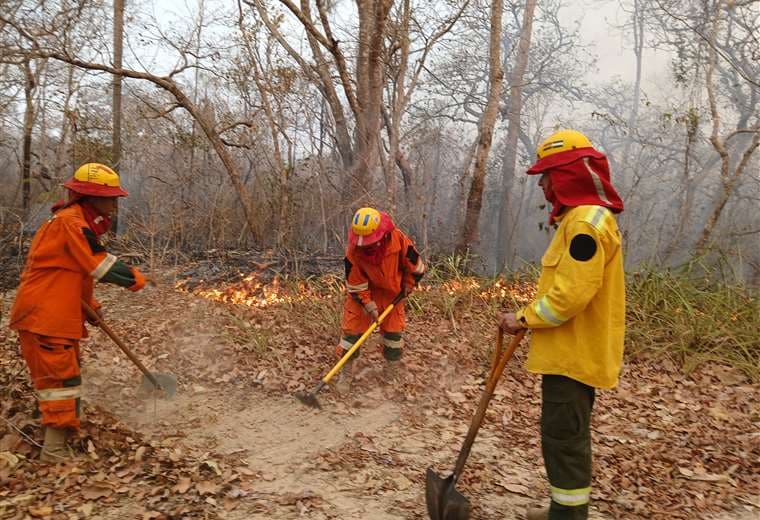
[[164, 385], [310, 399], [444, 502]]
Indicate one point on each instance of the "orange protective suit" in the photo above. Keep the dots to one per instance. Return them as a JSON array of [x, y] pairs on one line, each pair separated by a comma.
[[376, 285], [54, 366], [64, 262]]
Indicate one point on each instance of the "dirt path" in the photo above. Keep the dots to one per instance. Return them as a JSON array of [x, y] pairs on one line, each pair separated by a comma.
[[352, 460]]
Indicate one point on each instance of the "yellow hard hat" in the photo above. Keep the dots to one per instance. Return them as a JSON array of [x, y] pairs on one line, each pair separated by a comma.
[[563, 141], [97, 180], [366, 221]]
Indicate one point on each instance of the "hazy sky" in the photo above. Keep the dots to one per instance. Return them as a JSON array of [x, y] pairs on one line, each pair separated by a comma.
[[613, 48], [598, 24]]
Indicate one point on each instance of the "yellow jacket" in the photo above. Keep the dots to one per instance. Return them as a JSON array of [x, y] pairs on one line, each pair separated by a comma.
[[578, 318]]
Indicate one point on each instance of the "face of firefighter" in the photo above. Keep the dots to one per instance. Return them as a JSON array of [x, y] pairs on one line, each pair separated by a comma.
[[106, 206], [546, 184], [371, 248]]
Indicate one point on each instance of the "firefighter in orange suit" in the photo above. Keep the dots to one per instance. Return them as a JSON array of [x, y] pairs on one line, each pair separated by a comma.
[[65, 260], [380, 262]]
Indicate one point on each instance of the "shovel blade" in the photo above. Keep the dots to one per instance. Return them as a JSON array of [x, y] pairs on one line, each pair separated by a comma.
[[168, 385], [444, 502], [309, 399]]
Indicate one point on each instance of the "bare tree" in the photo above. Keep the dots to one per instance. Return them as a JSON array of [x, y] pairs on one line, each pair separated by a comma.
[[729, 177], [510, 151], [40, 49], [30, 84], [118, 46], [485, 132]]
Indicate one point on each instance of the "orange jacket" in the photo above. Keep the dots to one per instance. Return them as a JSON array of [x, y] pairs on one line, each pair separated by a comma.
[[64, 262], [401, 267]]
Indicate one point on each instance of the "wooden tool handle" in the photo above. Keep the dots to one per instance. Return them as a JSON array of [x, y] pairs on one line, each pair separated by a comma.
[[493, 378], [95, 318]]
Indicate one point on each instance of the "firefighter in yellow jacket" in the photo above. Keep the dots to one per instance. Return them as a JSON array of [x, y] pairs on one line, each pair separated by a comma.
[[578, 316]]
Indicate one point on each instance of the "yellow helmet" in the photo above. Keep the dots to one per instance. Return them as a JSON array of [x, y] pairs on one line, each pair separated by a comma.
[[369, 226], [366, 221], [97, 180], [563, 141]]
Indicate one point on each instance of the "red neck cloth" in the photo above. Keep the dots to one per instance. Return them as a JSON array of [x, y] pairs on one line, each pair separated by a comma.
[[375, 253], [579, 177], [99, 223]]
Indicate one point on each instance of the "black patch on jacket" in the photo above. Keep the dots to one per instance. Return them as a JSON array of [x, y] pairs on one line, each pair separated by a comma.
[[348, 265], [412, 255], [92, 239], [582, 247]]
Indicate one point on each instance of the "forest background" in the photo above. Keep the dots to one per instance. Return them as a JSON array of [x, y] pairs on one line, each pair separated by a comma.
[[260, 124]]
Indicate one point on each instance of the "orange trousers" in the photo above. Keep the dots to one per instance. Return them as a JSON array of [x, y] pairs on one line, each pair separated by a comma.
[[356, 321], [54, 367]]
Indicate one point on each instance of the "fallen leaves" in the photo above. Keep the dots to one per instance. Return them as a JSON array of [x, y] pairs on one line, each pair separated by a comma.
[[664, 443], [40, 512], [699, 473], [207, 487], [183, 485], [96, 491], [8, 459]]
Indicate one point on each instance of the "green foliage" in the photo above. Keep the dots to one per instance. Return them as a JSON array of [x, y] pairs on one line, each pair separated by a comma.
[[249, 335], [694, 318], [696, 313]]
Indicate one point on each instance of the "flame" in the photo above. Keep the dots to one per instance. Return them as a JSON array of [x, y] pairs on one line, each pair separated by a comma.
[[252, 291], [521, 292]]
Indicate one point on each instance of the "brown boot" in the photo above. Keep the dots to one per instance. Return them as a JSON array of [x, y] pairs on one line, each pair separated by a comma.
[[537, 513], [345, 378], [391, 371], [54, 448]]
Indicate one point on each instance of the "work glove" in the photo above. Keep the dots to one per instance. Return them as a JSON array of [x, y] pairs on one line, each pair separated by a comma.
[[100, 316], [139, 280], [371, 309]]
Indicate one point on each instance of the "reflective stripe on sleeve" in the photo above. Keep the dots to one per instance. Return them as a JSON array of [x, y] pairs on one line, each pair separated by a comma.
[[357, 288], [104, 266], [571, 497], [597, 216], [59, 394], [547, 313], [420, 268]]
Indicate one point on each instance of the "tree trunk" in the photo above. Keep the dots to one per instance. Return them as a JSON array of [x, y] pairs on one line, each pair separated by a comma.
[[283, 170], [510, 151], [728, 178], [370, 74], [118, 41], [196, 74], [485, 133], [26, 171], [66, 124]]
